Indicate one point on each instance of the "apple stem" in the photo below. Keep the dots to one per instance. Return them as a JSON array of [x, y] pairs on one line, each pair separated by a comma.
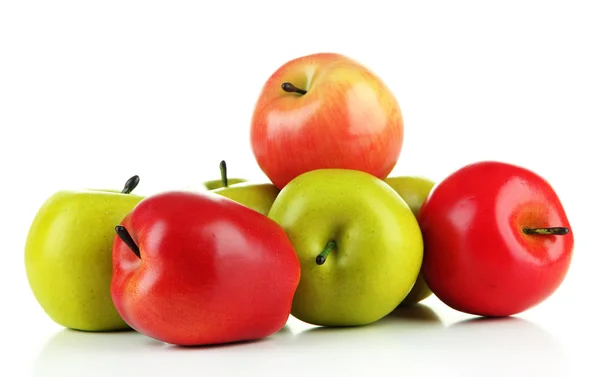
[[223, 167], [126, 238], [322, 257], [555, 231], [291, 88], [131, 184]]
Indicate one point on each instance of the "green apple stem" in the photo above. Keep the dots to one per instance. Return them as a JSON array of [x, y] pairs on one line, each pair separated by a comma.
[[291, 88], [223, 167], [126, 238], [555, 231], [131, 184], [322, 257]]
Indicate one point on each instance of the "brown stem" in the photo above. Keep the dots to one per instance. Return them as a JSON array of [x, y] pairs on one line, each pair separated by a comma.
[[291, 88], [555, 231]]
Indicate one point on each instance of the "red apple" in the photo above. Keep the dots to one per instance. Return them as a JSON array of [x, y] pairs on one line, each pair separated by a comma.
[[198, 269], [321, 111], [497, 239]]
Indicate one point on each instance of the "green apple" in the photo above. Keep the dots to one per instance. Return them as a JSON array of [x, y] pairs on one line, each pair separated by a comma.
[[68, 256], [414, 190], [224, 181], [359, 245], [258, 196]]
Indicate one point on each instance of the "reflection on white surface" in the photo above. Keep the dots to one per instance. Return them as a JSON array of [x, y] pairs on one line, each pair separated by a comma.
[[409, 342]]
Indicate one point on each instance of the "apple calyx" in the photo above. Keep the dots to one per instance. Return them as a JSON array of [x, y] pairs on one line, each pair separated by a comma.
[[127, 239], [291, 88], [555, 231], [322, 257], [130, 185]]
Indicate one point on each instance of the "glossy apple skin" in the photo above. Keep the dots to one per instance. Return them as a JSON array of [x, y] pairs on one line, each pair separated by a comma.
[[477, 258], [211, 271], [348, 119]]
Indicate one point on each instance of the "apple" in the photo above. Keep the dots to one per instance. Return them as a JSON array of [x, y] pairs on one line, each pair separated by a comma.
[[497, 239], [325, 110], [257, 196], [359, 245], [68, 256], [225, 181], [198, 269], [414, 190]]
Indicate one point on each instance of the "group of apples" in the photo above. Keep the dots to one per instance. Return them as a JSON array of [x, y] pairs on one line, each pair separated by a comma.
[[331, 239]]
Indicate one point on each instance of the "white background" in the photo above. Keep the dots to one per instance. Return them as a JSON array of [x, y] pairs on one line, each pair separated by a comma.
[[93, 92]]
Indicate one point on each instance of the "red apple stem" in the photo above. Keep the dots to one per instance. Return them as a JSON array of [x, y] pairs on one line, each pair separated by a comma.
[[555, 231], [322, 257], [131, 184], [223, 168], [291, 88], [127, 239]]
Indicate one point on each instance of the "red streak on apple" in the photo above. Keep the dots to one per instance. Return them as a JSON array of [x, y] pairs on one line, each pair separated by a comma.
[[348, 118]]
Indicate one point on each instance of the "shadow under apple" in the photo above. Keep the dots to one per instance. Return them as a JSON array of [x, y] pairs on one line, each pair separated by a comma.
[[284, 333], [503, 346], [415, 341], [357, 349], [394, 329], [76, 353], [418, 313]]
